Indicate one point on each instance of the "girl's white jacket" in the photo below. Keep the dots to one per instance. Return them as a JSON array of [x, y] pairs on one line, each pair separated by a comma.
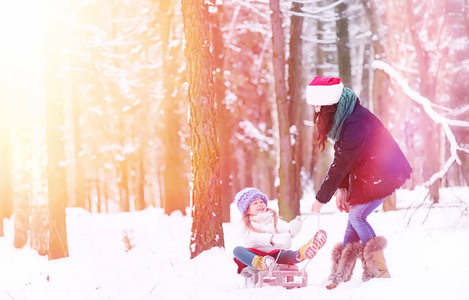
[[264, 222]]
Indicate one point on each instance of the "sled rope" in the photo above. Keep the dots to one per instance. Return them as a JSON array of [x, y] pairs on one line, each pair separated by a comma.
[[272, 269], [310, 216], [309, 260]]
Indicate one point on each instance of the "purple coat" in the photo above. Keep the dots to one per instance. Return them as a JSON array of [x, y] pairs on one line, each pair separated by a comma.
[[367, 161]]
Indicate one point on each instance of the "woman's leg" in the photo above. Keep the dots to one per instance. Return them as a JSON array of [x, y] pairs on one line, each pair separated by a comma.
[[244, 255], [350, 236], [357, 220]]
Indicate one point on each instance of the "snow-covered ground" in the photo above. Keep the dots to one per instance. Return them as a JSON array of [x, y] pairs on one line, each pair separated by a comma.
[[427, 260]]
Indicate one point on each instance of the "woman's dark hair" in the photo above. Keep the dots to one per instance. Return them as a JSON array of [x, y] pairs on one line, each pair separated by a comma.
[[324, 121]]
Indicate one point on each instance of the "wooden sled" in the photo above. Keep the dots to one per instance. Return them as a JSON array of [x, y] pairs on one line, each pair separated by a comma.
[[287, 276]]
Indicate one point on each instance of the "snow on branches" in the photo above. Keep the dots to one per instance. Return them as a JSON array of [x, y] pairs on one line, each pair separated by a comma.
[[436, 117]]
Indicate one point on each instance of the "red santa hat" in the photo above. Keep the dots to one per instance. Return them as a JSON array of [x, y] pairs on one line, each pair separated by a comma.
[[324, 91]]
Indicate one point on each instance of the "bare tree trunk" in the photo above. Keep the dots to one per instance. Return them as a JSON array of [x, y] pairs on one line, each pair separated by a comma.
[[105, 195], [343, 50], [175, 192], [288, 205], [6, 181], [139, 201], [56, 175], [224, 124], [21, 214], [207, 231], [298, 106], [80, 192], [380, 95], [466, 15], [427, 88], [380, 100], [123, 184], [39, 229], [55, 170], [89, 199], [98, 194], [365, 98], [390, 203], [320, 161]]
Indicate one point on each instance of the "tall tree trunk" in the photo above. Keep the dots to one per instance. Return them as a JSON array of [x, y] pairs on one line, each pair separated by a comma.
[[343, 50], [297, 104], [55, 157], [6, 182], [123, 185], [320, 160], [175, 192], [224, 123], [21, 215], [39, 229], [80, 192], [380, 95], [139, 201], [427, 88], [466, 15], [105, 195], [365, 98], [289, 207], [99, 194], [207, 231], [56, 175]]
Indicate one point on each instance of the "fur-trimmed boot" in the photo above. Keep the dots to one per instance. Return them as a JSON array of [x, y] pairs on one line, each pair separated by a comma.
[[335, 257], [343, 263], [374, 263]]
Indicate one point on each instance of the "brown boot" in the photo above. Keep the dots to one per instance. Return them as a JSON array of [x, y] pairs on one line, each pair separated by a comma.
[[374, 263], [342, 269], [335, 257]]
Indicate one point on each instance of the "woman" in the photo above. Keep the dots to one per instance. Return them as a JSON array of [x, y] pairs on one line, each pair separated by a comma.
[[368, 166]]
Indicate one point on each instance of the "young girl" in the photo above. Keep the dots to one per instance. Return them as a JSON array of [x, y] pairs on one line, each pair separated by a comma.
[[267, 236], [368, 166]]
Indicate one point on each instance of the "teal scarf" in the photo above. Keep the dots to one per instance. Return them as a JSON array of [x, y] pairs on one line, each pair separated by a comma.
[[346, 105]]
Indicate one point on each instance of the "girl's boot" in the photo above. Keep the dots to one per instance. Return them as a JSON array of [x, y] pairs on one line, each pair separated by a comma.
[[263, 263], [309, 250]]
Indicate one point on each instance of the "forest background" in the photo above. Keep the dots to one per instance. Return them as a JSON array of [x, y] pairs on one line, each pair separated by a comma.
[[117, 105]]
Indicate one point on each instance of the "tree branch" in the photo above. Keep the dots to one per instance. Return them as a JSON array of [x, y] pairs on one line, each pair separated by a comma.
[[427, 106]]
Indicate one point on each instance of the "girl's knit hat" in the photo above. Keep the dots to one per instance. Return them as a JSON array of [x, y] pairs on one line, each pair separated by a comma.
[[324, 91], [245, 197]]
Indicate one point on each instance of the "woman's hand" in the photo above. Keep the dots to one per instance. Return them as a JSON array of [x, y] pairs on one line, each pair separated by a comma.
[[316, 207], [341, 200]]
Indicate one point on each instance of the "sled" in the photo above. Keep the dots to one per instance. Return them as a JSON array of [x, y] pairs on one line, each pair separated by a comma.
[[288, 276]]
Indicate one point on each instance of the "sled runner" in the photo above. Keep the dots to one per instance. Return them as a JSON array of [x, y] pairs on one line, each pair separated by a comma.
[[288, 276]]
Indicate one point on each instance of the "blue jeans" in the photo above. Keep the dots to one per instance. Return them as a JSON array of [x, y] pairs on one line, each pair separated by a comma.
[[358, 228], [283, 257]]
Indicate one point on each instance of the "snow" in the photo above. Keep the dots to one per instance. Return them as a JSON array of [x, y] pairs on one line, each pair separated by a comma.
[[145, 255]]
